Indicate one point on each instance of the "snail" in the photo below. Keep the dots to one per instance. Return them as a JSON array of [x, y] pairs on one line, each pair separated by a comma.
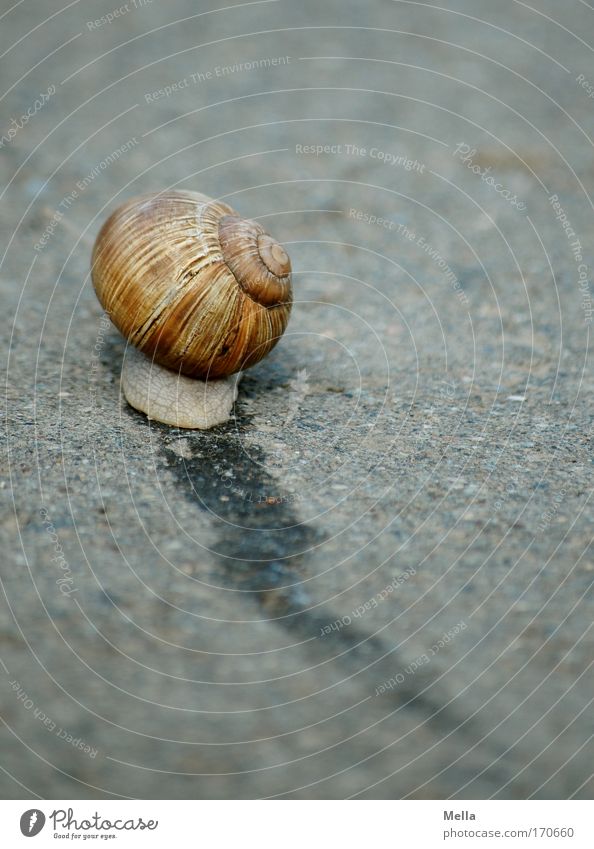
[[199, 291]]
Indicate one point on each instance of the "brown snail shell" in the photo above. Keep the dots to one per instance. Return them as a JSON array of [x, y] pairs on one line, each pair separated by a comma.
[[190, 283]]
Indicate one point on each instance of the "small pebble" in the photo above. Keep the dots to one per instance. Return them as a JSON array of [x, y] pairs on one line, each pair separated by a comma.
[[182, 448]]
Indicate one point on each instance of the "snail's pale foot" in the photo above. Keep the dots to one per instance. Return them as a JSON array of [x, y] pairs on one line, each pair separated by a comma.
[[174, 399]]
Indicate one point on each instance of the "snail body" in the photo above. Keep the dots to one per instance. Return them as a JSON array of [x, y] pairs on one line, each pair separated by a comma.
[[191, 284], [174, 399], [199, 290]]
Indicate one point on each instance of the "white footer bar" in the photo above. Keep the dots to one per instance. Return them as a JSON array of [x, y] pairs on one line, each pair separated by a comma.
[[295, 824]]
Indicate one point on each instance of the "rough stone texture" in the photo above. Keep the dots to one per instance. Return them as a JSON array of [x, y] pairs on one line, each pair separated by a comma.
[[223, 626]]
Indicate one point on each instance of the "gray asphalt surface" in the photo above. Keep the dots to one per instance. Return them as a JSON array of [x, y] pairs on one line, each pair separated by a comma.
[[376, 580]]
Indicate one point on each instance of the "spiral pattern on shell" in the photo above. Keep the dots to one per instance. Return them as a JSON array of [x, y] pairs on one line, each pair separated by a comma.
[[192, 284]]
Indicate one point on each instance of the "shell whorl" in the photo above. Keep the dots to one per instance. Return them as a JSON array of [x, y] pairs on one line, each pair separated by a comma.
[[191, 283], [260, 265]]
